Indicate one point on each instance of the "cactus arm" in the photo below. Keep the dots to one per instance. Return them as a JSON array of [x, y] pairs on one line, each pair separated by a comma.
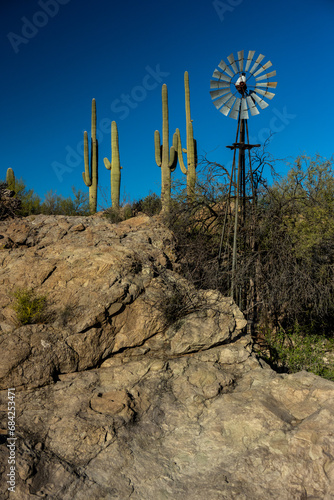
[[107, 163], [179, 153], [90, 175], [86, 174], [158, 158], [173, 153]]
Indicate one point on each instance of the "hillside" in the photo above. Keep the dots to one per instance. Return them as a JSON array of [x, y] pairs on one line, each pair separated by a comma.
[[133, 384]]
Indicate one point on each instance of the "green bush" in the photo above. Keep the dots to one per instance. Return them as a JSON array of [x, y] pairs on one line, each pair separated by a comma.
[[300, 350], [28, 306], [151, 205], [54, 204], [127, 212], [113, 215], [30, 201]]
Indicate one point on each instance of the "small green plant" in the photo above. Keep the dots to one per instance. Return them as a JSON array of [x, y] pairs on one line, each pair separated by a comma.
[[113, 215], [177, 303], [296, 350], [150, 205], [127, 212], [28, 306]]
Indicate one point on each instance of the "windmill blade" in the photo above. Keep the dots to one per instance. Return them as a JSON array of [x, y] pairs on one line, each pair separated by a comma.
[[238, 103], [219, 102], [257, 62], [235, 110], [263, 104], [265, 93], [267, 84], [232, 63], [264, 67], [241, 60], [249, 59], [214, 84], [251, 105], [225, 68], [268, 75], [218, 93], [244, 109], [227, 108], [221, 76]]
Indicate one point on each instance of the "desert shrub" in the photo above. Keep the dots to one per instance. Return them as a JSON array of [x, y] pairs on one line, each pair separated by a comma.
[[9, 204], [174, 306], [150, 205], [285, 258], [300, 349], [127, 211], [177, 301], [27, 202], [294, 265], [54, 204], [197, 223], [28, 306], [285, 247], [114, 215]]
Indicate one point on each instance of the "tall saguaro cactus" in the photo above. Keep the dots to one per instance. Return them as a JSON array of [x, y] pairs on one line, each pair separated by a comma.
[[114, 166], [90, 175], [10, 179], [191, 150], [165, 158]]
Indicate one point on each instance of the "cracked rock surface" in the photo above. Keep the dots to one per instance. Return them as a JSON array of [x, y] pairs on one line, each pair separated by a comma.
[[115, 399]]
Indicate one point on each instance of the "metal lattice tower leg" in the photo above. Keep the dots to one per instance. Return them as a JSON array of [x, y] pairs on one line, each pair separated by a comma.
[[240, 199]]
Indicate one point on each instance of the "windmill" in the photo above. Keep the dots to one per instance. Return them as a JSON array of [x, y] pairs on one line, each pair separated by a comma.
[[239, 90]]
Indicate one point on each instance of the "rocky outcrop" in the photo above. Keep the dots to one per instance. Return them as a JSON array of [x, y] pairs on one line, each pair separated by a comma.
[[135, 385], [9, 205]]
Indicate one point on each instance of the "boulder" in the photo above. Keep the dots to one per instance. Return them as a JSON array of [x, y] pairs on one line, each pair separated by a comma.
[[137, 385]]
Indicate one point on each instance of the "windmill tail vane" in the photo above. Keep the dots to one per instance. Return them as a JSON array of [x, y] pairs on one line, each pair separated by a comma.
[[240, 87]]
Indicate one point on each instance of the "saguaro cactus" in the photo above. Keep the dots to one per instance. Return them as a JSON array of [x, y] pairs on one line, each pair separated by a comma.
[[165, 158], [114, 166], [90, 175], [191, 150], [10, 179]]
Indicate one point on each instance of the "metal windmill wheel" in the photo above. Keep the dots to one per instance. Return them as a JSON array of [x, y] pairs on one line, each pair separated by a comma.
[[238, 90], [240, 86]]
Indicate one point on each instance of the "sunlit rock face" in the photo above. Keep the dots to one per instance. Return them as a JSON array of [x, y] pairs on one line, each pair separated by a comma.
[[119, 396]]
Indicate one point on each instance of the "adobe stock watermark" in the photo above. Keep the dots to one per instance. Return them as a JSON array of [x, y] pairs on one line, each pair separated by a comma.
[[277, 123], [121, 106], [31, 27], [126, 102], [222, 7]]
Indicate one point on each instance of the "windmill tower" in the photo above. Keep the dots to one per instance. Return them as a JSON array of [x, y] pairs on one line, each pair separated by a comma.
[[238, 90]]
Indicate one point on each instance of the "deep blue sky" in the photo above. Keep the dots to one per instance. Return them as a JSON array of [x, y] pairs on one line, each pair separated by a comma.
[[105, 49]]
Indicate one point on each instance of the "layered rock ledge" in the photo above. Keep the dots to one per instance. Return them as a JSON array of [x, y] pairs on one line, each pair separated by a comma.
[[119, 396]]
